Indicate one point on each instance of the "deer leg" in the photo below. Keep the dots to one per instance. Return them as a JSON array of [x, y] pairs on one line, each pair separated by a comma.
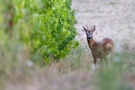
[[111, 56], [101, 61], [95, 58], [104, 55], [95, 61], [105, 58]]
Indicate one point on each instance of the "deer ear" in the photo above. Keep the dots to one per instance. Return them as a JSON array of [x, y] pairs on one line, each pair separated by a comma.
[[84, 28], [93, 28]]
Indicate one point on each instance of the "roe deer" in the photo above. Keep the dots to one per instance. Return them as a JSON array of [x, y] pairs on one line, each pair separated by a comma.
[[99, 49]]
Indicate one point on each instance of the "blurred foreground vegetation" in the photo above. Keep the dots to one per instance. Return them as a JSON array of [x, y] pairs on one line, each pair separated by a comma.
[[45, 27], [38, 31]]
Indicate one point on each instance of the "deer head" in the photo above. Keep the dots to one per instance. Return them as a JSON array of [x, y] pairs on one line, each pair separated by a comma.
[[89, 32]]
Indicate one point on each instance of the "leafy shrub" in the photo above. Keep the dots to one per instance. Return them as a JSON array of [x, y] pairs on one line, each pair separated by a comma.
[[54, 32], [46, 27]]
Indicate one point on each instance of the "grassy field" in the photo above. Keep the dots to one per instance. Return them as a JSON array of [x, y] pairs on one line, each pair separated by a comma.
[[113, 19]]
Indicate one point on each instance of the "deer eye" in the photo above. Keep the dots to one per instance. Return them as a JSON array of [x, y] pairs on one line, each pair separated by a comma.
[[87, 33]]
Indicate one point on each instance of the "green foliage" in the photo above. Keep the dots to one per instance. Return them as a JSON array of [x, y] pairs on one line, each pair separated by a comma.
[[54, 32], [46, 27]]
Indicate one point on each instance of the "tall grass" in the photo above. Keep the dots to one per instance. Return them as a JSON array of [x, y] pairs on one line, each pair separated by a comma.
[[74, 70], [111, 78]]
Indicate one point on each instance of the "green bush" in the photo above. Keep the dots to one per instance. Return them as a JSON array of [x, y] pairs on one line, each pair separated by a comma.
[[46, 27], [54, 32]]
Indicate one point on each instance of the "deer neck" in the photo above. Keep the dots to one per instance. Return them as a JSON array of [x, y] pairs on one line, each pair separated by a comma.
[[91, 43]]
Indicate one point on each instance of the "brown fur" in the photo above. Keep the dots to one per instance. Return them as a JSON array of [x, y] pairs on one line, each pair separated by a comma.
[[100, 49]]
